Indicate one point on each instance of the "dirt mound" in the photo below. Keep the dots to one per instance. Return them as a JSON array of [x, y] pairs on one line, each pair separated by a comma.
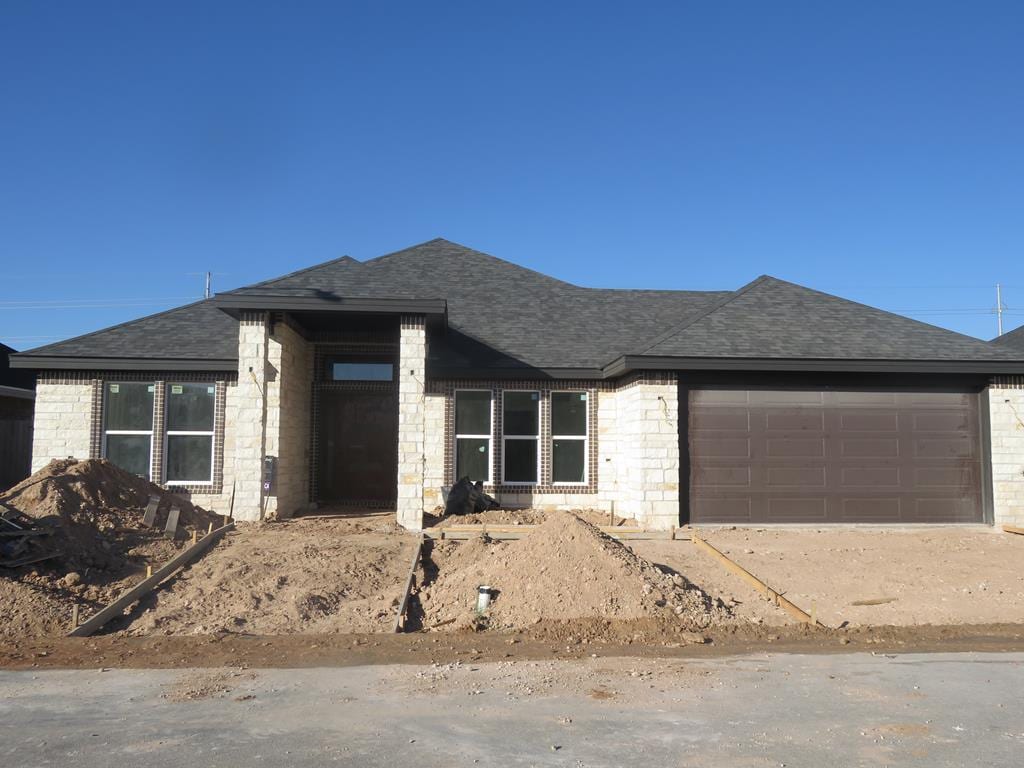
[[565, 569], [94, 509], [529, 517], [306, 576]]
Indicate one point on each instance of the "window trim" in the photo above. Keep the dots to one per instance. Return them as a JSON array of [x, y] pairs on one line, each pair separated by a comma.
[[584, 438], [536, 438], [152, 424], [168, 433], [459, 436]]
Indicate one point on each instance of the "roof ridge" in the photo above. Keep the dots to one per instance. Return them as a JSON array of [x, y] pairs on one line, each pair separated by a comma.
[[715, 306], [477, 251], [279, 278], [35, 350]]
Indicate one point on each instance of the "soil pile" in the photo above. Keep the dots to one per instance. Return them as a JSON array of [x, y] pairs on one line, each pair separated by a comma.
[[308, 575], [530, 517], [565, 570], [95, 511]]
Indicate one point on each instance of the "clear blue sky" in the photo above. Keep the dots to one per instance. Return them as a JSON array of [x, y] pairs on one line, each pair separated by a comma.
[[874, 150]]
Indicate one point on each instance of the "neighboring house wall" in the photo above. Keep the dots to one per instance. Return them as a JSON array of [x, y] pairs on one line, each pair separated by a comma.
[[1006, 424], [16, 416], [62, 424]]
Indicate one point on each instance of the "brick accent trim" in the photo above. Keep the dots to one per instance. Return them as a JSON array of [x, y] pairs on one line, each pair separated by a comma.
[[1008, 382], [96, 421], [544, 388]]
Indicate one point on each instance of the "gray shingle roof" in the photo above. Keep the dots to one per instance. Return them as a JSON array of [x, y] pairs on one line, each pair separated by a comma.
[[502, 316], [198, 331], [771, 318], [1012, 340]]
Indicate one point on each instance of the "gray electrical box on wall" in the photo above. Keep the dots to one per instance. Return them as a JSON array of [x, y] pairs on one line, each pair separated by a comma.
[[269, 474]]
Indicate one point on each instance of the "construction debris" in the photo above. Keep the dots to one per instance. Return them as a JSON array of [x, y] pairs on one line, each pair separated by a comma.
[[92, 544]]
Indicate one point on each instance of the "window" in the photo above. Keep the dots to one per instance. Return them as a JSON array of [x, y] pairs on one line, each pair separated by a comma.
[[520, 437], [128, 426], [569, 437], [361, 371], [189, 454], [473, 435]]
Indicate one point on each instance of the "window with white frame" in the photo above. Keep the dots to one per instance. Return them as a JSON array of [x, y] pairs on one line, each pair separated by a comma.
[[569, 437], [189, 440], [473, 415], [520, 438], [128, 425]]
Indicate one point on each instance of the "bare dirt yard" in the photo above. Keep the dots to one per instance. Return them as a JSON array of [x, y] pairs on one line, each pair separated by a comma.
[[311, 575], [901, 577]]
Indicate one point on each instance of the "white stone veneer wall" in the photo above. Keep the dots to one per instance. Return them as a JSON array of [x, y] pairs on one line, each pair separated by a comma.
[[62, 424], [648, 473], [250, 416], [289, 392], [433, 451], [412, 375], [1006, 418]]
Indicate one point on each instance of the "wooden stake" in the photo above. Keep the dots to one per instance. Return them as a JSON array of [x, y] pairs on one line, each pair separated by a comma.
[[74, 617], [149, 571], [209, 529], [195, 536]]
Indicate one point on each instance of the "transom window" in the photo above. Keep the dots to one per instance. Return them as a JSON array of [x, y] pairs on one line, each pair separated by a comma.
[[128, 425], [339, 371], [520, 438], [190, 415], [569, 437], [473, 435]]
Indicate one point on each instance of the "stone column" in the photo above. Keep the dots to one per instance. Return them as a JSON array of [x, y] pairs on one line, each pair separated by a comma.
[[1006, 429], [649, 478], [251, 414], [412, 371]]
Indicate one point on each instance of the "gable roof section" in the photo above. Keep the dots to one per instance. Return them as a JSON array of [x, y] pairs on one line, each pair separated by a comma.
[[1011, 340], [771, 319]]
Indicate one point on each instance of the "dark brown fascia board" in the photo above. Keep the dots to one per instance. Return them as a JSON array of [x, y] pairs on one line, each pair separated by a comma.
[[56, 362], [518, 374], [235, 303], [628, 363]]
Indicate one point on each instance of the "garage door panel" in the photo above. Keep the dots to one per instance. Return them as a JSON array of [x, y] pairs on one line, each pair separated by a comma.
[[869, 447], [870, 477], [794, 446], [803, 477], [831, 456], [869, 421]]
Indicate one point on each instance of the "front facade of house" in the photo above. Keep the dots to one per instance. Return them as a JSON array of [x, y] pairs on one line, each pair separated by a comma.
[[379, 383]]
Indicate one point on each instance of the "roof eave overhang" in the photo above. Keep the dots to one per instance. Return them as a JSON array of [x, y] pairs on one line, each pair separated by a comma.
[[65, 363], [17, 392], [628, 363], [234, 304]]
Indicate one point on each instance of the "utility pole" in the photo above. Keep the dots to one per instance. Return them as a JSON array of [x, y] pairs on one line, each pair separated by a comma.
[[999, 309]]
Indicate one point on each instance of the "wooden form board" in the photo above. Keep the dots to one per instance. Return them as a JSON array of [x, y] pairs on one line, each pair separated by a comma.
[[182, 559], [404, 605], [770, 594], [1014, 529], [512, 532]]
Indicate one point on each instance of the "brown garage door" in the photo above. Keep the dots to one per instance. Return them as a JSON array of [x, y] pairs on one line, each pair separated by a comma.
[[834, 457]]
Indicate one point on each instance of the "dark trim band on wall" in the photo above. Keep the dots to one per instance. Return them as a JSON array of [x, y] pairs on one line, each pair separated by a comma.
[[49, 362]]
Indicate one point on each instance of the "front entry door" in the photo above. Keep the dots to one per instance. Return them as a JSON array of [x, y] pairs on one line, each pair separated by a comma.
[[358, 446]]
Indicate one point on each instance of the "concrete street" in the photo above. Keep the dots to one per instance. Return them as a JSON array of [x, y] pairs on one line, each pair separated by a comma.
[[764, 710]]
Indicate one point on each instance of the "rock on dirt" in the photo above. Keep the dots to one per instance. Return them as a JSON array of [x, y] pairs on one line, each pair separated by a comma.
[[529, 517], [95, 511], [565, 569]]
